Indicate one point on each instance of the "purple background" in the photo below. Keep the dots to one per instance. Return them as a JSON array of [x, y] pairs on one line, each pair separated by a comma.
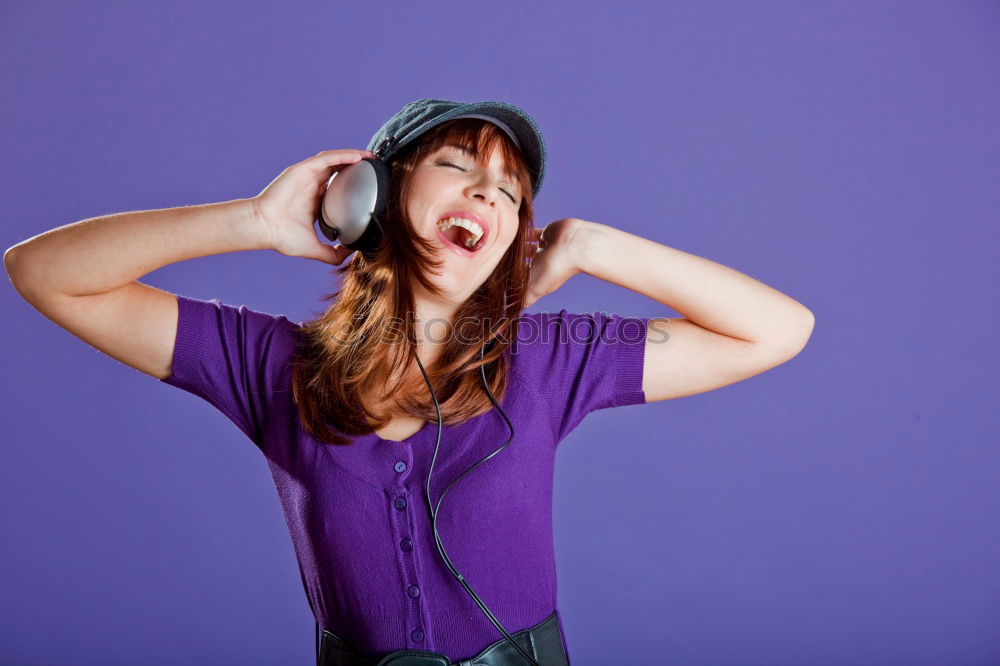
[[840, 508]]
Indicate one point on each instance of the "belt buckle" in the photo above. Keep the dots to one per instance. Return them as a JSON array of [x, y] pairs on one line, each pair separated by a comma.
[[414, 658]]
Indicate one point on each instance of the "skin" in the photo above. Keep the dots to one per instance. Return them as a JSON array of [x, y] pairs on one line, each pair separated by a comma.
[[450, 179]]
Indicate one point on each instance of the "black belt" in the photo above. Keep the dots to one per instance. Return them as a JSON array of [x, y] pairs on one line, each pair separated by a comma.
[[543, 642]]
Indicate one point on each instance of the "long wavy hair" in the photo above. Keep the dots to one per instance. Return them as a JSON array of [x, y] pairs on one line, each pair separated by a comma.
[[347, 356]]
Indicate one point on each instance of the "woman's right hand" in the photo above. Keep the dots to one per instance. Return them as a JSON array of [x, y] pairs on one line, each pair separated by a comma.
[[289, 205]]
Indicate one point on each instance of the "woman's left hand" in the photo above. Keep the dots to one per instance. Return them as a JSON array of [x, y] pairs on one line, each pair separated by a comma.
[[556, 259]]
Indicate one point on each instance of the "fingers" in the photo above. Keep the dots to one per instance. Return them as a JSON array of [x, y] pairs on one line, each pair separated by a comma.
[[340, 156], [322, 162], [339, 253], [535, 241]]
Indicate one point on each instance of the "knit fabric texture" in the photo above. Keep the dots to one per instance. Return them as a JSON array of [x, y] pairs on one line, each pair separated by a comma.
[[357, 514]]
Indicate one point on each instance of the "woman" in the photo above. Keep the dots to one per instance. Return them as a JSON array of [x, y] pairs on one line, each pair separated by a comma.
[[345, 408]]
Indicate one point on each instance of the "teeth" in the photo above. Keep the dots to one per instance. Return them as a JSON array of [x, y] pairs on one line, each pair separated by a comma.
[[472, 227]]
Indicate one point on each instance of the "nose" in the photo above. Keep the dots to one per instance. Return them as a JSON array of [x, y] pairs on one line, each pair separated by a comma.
[[484, 188]]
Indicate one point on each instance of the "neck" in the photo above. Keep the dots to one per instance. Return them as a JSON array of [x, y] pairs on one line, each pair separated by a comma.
[[434, 318]]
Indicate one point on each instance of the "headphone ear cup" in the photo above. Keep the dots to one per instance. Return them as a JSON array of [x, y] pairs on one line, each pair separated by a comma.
[[371, 239], [354, 203], [382, 184]]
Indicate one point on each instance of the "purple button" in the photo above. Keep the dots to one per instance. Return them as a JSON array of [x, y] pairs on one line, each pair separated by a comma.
[[406, 544], [400, 503], [413, 591], [400, 466], [417, 635]]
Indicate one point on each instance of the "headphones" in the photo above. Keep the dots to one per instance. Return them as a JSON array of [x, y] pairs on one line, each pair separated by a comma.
[[351, 212], [354, 203]]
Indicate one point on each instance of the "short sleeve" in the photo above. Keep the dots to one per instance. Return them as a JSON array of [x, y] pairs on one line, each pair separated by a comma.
[[580, 363], [232, 357]]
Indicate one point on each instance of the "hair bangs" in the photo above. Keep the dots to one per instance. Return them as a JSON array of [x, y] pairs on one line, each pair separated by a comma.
[[482, 138]]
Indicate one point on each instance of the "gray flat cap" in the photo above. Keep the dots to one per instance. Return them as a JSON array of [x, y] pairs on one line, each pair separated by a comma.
[[417, 117]]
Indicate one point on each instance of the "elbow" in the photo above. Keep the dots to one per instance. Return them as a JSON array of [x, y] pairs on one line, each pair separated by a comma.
[[8, 262], [8, 257], [808, 322], [19, 274], [790, 337], [802, 332]]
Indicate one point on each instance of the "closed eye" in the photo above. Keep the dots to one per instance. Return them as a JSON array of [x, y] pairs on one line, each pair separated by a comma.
[[509, 195]]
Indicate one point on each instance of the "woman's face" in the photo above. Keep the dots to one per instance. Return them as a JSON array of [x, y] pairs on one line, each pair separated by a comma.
[[450, 183]]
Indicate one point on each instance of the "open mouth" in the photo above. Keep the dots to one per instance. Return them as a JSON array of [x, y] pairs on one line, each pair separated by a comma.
[[463, 236]]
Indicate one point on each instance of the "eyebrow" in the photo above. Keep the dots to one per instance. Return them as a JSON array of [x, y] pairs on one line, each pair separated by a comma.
[[468, 151]]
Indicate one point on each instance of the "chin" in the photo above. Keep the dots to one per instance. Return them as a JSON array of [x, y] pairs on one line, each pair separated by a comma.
[[456, 293], [454, 289]]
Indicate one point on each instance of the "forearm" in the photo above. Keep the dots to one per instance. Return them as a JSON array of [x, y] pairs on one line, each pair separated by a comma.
[[711, 295], [100, 254]]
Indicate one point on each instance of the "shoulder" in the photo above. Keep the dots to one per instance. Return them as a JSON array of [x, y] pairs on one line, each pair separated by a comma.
[[550, 344], [577, 362], [214, 323], [539, 332]]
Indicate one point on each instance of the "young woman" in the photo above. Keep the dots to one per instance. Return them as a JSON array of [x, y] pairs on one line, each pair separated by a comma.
[[346, 408]]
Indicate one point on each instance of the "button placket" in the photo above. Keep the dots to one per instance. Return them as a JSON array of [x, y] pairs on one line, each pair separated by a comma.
[[403, 524]]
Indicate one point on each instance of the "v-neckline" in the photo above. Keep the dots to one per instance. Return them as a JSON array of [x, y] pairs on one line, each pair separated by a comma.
[[407, 440]]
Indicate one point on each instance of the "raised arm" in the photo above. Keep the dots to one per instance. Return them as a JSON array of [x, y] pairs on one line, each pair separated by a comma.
[[83, 276], [733, 327]]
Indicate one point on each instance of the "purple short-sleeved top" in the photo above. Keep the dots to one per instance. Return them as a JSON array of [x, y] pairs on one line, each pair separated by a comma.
[[357, 514]]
